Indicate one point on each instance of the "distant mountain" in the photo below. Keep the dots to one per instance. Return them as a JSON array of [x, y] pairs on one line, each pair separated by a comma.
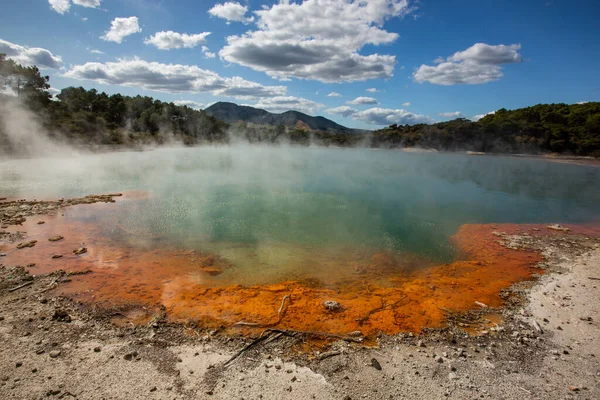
[[230, 112]]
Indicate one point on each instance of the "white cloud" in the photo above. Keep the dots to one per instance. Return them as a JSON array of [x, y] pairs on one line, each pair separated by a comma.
[[30, 55], [372, 90], [334, 94], [168, 40], [386, 116], [479, 116], [120, 28], [582, 102], [382, 116], [407, 104], [451, 114], [286, 103], [172, 78], [318, 40], [363, 100], [88, 3], [480, 63], [207, 53], [63, 6], [342, 110], [190, 103], [60, 6], [94, 51], [231, 11]]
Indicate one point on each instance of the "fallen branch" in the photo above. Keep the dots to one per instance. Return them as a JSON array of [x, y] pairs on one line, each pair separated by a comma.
[[280, 315], [537, 326], [593, 278], [260, 339], [328, 354], [20, 286], [376, 310]]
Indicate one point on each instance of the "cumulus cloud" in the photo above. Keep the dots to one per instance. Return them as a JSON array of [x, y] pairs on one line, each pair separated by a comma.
[[231, 11], [172, 78], [334, 94], [451, 114], [342, 110], [120, 28], [480, 63], [286, 103], [407, 104], [363, 100], [207, 53], [63, 6], [319, 40], [168, 40], [30, 55], [387, 116], [479, 116], [382, 116], [190, 103]]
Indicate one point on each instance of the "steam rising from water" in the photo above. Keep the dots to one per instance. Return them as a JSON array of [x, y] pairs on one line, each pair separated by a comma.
[[24, 134]]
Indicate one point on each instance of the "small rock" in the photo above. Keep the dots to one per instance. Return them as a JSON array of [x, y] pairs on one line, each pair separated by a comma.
[[128, 356], [331, 305], [18, 364], [557, 227], [439, 359], [452, 376], [420, 343], [81, 250], [154, 389], [61, 315], [55, 238], [55, 256], [54, 353], [41, 222], [375, 364], [97, 349], [23, 245]]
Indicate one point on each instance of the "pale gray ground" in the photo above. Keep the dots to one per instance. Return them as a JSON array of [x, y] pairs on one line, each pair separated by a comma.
[[90, 359]]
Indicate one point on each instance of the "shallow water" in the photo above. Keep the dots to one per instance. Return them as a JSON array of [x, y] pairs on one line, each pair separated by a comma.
[[323, 198], [363, 225]]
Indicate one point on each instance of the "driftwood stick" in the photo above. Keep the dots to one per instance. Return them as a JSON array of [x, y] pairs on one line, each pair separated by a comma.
[[20, 286], [280, 315], [328, 354], [325, 335], [261, 338], [383, 307]]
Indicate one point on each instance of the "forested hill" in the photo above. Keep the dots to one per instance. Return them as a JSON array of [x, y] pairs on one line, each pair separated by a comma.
[[89, 118], [557, 128], [231, 112]]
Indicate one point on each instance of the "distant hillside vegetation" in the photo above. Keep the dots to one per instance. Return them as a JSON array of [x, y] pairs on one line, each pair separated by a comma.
[[230, 112], [91, 118], [557, 128]]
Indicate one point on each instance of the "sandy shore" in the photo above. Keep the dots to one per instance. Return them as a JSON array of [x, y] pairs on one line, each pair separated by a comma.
[[546, 346]]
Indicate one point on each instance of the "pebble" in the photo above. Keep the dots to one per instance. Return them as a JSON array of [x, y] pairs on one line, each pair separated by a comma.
[[375, 364], [97, 349], [54, 353]]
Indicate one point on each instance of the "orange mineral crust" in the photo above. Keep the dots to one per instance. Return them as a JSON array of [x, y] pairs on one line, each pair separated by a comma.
[[380, 293]]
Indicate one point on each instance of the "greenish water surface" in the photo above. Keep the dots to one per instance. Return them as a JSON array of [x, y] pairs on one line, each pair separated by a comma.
[[314, 198]]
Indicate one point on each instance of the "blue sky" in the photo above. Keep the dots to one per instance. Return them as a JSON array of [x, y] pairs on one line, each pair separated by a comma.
[[424, 61]]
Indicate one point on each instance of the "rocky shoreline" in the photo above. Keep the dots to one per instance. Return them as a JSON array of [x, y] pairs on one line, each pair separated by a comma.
[[546, 344]]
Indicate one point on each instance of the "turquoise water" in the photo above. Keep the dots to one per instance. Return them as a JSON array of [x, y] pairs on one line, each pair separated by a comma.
[[313, 198]]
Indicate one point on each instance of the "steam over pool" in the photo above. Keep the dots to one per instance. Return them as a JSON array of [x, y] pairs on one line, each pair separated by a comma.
[[315, 197]]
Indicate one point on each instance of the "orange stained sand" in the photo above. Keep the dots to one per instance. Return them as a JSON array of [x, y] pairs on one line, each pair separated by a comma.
[[131, 278]]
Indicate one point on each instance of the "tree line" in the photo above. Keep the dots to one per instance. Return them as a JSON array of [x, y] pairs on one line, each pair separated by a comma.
[[88, 117]]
